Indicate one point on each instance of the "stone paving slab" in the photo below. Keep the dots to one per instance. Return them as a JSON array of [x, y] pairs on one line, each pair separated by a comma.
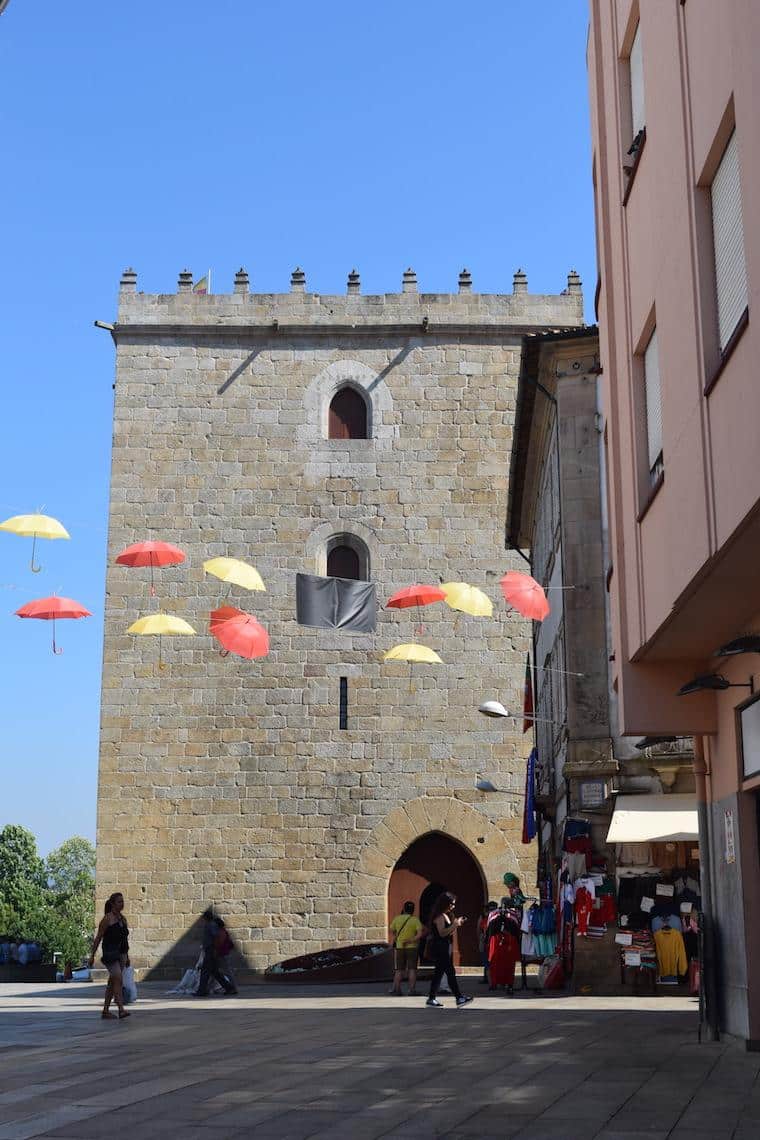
[[352, 1063]]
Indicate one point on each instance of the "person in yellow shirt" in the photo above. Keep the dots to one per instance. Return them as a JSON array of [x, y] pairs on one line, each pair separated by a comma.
[[405, 933]]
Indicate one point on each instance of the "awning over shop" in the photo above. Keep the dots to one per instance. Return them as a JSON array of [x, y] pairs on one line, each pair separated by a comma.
[[654, 819]]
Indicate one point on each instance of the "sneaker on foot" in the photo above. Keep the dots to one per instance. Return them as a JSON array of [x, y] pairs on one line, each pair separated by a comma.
[[463, 1000], [432, 1001]]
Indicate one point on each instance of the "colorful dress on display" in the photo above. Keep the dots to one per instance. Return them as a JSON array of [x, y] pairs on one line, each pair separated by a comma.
[[503, 948]]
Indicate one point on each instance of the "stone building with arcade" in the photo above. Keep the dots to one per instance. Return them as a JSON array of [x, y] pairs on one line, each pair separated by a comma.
[[306, 794]]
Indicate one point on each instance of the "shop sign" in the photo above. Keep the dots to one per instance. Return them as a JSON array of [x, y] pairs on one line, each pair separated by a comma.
[[728, 818], [593, 793]]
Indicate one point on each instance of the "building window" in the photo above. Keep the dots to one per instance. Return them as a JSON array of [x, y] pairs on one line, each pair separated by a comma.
[[343, 704], [728, 243], [653, 409], [634, 115], [636, 79], [348, 415], [347, 557]]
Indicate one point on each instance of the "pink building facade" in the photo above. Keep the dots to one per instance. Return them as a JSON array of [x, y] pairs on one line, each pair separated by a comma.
[[675, 87]]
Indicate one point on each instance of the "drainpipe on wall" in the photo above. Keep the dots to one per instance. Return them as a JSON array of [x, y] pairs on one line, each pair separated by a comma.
[[709, 965]]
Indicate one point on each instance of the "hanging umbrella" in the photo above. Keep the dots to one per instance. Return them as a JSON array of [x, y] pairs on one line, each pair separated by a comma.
[[416, 596], [48, 609], [239, 633], [235, 571], [34, 527], [525, 595], [152, 553], [469, 599], [412, 651], [161, 625]]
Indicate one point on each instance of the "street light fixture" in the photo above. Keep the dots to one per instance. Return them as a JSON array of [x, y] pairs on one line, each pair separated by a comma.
[[711, 681], [750, 643], [496, 709]]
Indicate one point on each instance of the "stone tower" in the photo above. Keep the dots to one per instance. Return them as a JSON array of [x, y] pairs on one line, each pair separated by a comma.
[[306, 792]]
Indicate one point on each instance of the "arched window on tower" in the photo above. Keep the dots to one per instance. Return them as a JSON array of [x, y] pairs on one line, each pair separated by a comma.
[[343, 562], [347, 557], [348, 415]]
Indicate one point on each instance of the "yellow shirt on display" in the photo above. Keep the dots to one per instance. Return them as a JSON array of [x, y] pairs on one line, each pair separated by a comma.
[[409, 928]]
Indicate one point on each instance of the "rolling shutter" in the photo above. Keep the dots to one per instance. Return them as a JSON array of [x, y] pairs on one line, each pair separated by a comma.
[[728, 241], [636, 68], [653, 402]]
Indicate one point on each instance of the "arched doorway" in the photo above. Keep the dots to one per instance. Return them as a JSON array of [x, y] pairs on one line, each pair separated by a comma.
[[436, 863]]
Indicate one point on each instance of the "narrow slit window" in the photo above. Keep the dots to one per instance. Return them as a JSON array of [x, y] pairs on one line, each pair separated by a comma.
[[343, 710]]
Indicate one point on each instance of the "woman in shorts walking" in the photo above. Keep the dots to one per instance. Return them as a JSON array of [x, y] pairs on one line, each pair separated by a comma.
[[113, 932]]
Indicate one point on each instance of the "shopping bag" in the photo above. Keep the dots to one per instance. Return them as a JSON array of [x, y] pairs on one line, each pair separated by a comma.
[[128, 985]]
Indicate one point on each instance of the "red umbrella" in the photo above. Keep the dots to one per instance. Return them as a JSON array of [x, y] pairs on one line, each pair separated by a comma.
[[239, 633], [48, 609], [151, 554], [415, 596], [525, 595]]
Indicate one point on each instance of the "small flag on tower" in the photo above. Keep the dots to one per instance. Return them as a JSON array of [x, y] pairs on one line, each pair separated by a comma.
[[528, 697], [203, 287]]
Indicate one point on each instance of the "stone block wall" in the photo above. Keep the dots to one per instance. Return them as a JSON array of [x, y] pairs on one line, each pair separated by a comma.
[[229, 782]]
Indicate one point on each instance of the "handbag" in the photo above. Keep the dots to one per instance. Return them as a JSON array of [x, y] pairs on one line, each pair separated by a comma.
[[128, 985]]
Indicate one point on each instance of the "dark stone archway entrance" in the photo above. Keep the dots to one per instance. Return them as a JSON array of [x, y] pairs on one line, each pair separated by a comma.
[[436, 863]]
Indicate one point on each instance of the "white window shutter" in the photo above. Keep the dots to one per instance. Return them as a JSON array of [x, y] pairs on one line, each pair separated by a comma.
[[653, 400], [636, 69], [728, 240]]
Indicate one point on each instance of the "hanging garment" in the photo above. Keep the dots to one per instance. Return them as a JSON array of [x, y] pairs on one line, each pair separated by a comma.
[[575, 827], [575, 862], [671, 953], [583, 904], [503, 955]]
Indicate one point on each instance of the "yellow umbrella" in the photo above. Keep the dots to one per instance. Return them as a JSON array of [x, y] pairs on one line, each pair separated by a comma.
[[469, 599], [235, 571], [34, 527], [160, 624], [412, 651]]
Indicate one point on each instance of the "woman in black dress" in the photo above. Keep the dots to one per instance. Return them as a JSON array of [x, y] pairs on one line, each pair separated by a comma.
[[442, 928], [113, 932]]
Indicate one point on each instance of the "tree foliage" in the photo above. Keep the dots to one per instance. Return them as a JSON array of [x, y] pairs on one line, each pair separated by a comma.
[[47, 901]]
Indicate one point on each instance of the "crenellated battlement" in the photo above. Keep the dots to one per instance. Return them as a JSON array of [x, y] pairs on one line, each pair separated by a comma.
[[354, 310]]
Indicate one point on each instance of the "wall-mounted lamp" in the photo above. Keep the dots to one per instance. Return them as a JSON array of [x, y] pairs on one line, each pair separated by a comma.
[[707, 681], [496, 709], [485, 785], [748, 644]]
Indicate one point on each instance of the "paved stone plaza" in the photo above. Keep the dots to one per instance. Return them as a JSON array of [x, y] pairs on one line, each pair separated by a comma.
[[352, 1063]]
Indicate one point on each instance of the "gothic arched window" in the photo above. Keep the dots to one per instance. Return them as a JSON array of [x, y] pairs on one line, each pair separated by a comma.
[[347, 557], [348, 415]]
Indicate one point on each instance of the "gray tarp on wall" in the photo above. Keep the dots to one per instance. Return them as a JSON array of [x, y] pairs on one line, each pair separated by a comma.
[[336, 603]]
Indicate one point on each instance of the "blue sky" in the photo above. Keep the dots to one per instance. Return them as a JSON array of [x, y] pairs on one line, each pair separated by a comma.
[[173, 134]]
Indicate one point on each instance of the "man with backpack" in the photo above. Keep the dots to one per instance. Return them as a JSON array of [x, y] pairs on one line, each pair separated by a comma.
[[217, 945]]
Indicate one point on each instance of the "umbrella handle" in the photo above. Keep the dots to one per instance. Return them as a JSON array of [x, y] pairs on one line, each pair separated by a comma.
[[161, 662], [224, 652], [34, 569], [56, 651]]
